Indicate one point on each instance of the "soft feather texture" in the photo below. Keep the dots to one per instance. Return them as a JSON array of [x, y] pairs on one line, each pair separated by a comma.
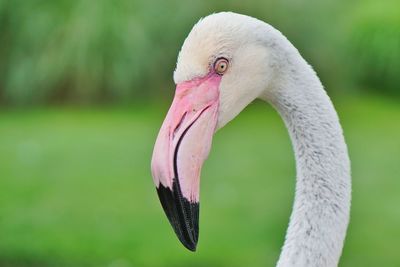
[[264, 64]]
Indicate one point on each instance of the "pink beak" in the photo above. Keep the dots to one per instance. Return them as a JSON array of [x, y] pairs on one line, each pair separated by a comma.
[[182, 145]]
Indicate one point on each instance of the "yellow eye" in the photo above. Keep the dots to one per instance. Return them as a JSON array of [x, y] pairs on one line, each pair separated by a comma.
[[221, 66]]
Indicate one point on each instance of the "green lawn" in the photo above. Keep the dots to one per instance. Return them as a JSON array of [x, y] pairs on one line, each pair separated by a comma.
[[76, 190]]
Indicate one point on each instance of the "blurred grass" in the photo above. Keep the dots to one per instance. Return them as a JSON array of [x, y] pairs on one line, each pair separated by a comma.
[[76, 190]]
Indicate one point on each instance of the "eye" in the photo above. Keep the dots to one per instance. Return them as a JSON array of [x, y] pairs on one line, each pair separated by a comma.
[[221, 65]]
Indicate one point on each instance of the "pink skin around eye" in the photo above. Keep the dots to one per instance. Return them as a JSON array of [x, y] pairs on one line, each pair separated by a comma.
[[184, 140]]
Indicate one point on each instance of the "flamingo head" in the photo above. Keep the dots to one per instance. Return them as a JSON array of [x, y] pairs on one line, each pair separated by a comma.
[[221, 68]]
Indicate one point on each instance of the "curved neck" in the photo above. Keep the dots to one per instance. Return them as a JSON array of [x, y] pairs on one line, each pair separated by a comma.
[[321, 207]]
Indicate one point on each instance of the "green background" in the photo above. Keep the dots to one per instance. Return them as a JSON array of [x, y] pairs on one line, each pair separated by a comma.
[[85, 85]]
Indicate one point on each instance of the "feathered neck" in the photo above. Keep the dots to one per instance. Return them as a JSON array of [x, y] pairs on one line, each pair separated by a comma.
[[321, 207]]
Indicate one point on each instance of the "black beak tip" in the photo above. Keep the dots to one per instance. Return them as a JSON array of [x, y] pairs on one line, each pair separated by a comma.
[[189, 246], [182, 214], [188, 238]]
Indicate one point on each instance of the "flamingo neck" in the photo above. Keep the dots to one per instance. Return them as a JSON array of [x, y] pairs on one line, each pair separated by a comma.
[[320, 215]]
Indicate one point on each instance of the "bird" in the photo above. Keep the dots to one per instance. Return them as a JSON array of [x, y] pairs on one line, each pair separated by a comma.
[[227, 61]]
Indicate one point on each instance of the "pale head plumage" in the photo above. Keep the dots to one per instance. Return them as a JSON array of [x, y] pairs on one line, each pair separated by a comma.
[[240, 39]]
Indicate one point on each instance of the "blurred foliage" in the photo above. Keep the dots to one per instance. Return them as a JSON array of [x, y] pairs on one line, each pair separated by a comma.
[[86, 51], [76, 189], [375, 43]]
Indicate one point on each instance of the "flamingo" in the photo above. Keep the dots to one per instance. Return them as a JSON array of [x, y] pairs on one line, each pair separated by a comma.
[[227, 61]]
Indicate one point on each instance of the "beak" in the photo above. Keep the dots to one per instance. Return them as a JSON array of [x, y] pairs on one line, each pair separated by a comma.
[[182, 145]]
